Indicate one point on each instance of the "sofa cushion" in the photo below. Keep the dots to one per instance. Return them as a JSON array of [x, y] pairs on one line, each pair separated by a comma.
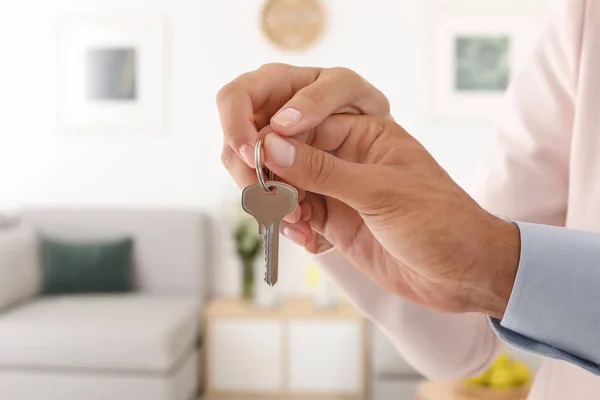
[[131, 332], [87, 267], [170, 252], [20, 270]]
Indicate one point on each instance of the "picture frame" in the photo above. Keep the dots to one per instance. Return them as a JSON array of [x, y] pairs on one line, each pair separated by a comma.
[[293, 24], [473, 51], [111, 74]]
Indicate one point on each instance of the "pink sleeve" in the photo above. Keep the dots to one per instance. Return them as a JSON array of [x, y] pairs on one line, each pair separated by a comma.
[[437, 345], [526, 179]]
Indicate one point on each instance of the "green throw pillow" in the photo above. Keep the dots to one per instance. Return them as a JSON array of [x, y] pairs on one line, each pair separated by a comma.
[[97, 267]]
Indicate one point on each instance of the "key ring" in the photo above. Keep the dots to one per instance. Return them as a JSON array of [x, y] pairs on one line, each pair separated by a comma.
[[259, 167]]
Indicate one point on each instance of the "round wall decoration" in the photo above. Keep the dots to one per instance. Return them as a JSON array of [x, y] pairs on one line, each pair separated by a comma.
[[293, 24]]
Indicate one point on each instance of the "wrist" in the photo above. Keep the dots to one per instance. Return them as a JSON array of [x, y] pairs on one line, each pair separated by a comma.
[[498, 269]]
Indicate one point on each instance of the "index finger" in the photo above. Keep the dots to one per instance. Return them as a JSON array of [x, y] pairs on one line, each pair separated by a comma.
[[247, 103], [335, 91]]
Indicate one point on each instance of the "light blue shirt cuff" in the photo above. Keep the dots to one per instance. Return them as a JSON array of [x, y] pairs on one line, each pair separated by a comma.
[[554, 307]]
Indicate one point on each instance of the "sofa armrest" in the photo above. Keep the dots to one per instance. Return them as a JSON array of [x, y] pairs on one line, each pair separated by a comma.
[[7, 220], [20, 269]]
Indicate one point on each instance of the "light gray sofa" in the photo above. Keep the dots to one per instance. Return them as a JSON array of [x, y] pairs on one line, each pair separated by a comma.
[[141, 345]]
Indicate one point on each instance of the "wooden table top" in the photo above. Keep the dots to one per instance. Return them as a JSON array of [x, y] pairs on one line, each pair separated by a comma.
[[289, 308], [279, 397], [450, 390]]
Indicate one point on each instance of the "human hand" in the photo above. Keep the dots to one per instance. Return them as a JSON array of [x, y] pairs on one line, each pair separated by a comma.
[[260, 98], [380, 198]]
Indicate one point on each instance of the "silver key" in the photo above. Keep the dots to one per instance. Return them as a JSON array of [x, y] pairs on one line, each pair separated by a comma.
[[269, 209]]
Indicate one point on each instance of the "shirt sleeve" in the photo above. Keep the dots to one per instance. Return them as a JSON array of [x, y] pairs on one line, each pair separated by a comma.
[[438, 345], [554, 307]]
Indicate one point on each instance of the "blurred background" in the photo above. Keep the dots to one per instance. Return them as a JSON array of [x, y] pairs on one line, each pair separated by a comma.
[[110, 141]]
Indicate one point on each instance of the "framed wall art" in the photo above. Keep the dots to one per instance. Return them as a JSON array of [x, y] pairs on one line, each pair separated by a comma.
[[111, 74], [472, 55]]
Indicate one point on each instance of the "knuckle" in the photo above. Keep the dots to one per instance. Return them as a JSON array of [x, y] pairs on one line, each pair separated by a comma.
[[380, 104], [235, 132], [225, 93], [227, 157], [344, 73], [362, 125], [313, 95], [236, 86], [274, 67], [377, 126], [386, 108], [348, 77], [320, 167], [229, 133], [235, 138], [381, 200], [374, 138]]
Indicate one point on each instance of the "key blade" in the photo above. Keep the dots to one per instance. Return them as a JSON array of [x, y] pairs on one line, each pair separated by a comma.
[[266, 246], [272, 255]]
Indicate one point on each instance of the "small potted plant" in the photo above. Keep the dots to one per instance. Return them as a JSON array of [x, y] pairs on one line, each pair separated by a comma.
[[249, 244]]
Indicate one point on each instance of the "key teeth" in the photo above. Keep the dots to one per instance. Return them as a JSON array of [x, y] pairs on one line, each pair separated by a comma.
[[266, 257], [265, 249]]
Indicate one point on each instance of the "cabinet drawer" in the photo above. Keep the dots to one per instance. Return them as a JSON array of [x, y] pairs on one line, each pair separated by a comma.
[[245, 355], [326, 356]]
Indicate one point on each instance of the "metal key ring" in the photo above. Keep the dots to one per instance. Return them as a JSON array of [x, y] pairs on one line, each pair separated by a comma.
[[259, 166]]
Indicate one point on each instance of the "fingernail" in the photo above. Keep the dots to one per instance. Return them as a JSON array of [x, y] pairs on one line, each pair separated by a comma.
[[294, 235], [247, 153], [280, 150], [288, 117]]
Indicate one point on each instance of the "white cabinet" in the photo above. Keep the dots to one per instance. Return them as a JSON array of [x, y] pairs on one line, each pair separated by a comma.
[[295, 349], [396, 389], [246, 355], [326, 356]]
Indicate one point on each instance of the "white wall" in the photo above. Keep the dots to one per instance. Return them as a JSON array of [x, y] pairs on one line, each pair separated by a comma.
[[212, 42]]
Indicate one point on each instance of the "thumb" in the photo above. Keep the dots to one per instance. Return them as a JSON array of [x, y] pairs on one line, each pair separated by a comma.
[[314, 170]]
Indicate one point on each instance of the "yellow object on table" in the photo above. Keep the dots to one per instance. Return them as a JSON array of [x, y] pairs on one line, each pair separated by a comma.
[[312, 276], [505, 379]]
